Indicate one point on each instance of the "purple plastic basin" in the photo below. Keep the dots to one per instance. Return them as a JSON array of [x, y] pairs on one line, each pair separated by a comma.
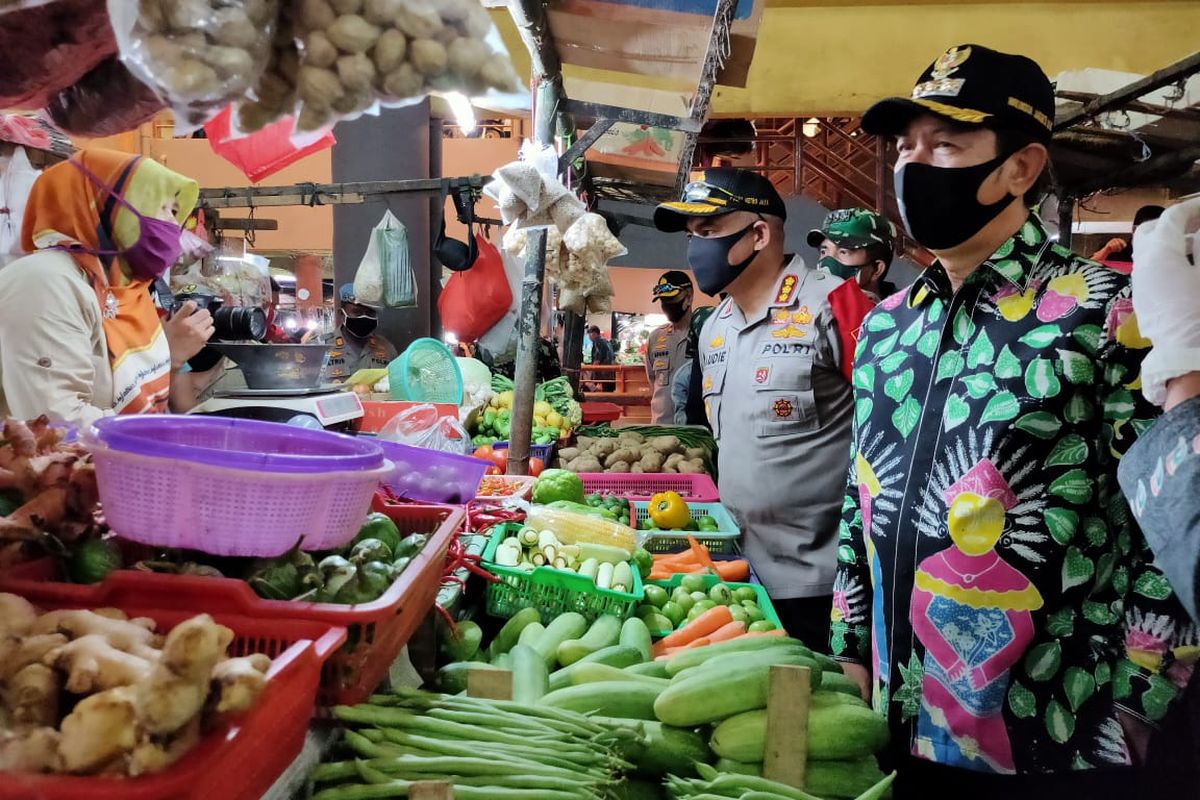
[[237, 443], [431, 475]]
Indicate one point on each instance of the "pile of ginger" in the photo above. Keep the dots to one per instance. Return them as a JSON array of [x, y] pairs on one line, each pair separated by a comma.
[[94, 692]]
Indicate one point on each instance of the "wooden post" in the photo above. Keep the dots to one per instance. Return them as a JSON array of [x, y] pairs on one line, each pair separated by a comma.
[[431, 790], [788, 696], [525, 372], [489, 684]]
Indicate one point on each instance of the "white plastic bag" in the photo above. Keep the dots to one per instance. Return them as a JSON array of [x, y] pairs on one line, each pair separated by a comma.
[[16, 181], [421, 426], [368, 279], [390, 238], [501, 340]]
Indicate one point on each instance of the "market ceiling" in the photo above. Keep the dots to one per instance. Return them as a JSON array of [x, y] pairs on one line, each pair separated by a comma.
[[827, 58]]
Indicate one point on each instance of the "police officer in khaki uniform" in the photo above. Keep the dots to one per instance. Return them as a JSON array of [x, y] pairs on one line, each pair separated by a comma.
[[774, 389], [666, 351], [357, 345]]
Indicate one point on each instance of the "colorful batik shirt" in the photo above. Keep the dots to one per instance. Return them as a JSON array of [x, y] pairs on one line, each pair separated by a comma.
[[989, 568]]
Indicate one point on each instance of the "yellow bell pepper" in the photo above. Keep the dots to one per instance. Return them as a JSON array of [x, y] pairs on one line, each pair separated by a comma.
[[669, 511]]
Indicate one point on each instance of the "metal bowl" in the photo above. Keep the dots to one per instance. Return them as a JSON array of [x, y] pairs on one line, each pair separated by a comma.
[[278, 366]]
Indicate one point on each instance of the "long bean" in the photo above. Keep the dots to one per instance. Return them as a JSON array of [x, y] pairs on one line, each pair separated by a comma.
[[460, 748], [398, 788], [544, 712], [384, 771]]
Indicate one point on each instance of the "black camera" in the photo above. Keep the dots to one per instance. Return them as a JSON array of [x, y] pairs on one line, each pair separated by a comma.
[[230, 323]]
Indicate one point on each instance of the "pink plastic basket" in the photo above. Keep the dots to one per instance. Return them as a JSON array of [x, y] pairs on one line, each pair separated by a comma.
[[693, 488], [230, 512]]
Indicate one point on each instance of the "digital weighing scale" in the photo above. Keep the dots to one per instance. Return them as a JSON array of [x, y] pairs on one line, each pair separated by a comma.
[[325, 406]]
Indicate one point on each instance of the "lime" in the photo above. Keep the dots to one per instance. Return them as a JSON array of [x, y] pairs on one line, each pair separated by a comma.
[[707, 524], [693, 582], [657, 622], [674, 612], [656, 595], [739, 614], [753, 611], [92, 560], [744, 593], [720, 594], [761, 625]]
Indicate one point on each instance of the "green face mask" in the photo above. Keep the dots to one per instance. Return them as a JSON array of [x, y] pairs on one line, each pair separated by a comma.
[[843, 271]]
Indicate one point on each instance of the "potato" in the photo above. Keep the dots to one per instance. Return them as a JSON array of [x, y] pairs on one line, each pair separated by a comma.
[[313, 118], [190, 78], [316, 15], [603, 447], [382, 12], [229, 62], [403, 82], [186, 15], [319, 87], [347, 6], [289, 65], [418, 22], [672, 461], [389, 51], [637, 468], [428, 57], [319, 51], [356, 72], [232, 28], [697, 453], [586, 463], [478, 22], [626, 454], [651, 461], [354, 102], [259, 12], [691, 467], [152, 16], [568, 454], [353, 34], [466, 56], [254, 117], [620, 466], [666, 444]]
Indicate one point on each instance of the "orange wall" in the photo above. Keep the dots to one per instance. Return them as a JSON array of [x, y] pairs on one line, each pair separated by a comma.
[[632, 287]]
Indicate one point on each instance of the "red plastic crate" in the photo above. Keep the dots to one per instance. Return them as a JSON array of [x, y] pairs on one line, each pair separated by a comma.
[[239, 760], [643, 486], [376, 631], [594, 412]]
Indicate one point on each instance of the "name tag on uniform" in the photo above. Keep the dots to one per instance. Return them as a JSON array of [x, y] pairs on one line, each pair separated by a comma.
[[713, 359], [783, 349]]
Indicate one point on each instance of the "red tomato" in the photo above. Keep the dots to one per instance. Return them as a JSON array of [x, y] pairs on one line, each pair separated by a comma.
[[484, 452], [494, 470], [536, 465], [500, 459]]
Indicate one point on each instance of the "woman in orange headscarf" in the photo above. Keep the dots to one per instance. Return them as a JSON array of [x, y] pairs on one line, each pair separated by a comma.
[[80, 336]]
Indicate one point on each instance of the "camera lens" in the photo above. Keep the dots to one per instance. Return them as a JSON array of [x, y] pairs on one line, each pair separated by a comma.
[[239, 324]]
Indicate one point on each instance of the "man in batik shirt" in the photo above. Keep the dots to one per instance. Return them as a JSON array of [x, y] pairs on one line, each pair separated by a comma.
[[993, 593]]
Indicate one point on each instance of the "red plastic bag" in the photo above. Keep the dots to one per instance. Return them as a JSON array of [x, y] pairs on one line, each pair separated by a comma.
[[264, 152], [476, 299]]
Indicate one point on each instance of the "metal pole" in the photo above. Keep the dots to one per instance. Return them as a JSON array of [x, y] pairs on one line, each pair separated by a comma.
[[525, 374]]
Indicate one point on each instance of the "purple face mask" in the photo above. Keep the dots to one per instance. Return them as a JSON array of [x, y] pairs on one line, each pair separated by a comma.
[[159, 244]]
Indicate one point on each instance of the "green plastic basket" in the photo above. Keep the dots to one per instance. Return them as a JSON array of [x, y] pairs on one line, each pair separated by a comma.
[[551, 591], [723, 540], [760, 591]]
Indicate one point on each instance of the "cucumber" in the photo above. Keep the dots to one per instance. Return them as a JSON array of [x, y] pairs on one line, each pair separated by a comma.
[[531, 678], [617, 656], [570, 625], [669, 751], [655, 669], [732, 662], [828, 663], [627, 699], [837, 731], [531, 633], [507, 638], [503, 661], [698, 655], [603, 553], [634, 633], [452, 678], [585, 672], [826, 699], [841, 780], [836, 681], [604, 632], [740, 767], [709, 696]]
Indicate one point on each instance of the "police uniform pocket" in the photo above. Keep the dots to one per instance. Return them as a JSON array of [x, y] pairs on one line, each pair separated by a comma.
[[713, 385], [784, 399]]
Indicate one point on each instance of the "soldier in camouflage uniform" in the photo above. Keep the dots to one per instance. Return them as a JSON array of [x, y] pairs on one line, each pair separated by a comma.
[[857, 243]]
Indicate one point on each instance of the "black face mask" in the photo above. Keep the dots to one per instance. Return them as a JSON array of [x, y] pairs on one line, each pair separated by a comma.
[[709, 260], [940, 205], [674, 311], [361, 327]]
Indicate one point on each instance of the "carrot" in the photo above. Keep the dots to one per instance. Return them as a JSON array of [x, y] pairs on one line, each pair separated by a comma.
[[726, 632], [702, 625], [737, 570], [703, 641], [702, 555]]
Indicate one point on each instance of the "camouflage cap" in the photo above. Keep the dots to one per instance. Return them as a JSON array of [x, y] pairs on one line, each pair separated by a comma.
[[854, 228]]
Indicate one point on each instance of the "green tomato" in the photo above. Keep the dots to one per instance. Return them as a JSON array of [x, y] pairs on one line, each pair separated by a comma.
[[674, 612], [745, 593], [682, 599], [720, 594], [706, 524], [761, 625], [656, 596], [699, 597], [754, 613], [693, 582], [739, 614], [646, 609]]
